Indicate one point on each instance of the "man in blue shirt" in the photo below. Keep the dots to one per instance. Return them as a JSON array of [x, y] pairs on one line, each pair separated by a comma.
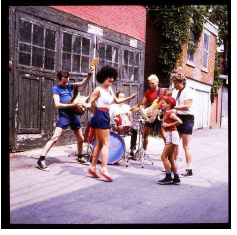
[[62, 93]]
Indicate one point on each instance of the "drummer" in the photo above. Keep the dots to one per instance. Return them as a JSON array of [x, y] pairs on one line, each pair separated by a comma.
[[121, 108]]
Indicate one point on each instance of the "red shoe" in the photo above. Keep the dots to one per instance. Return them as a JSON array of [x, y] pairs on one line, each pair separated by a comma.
[[105, 176], [93, 173]]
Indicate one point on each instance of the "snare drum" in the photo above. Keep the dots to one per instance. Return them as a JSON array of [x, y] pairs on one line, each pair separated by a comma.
[[116, 150], [123, 123]]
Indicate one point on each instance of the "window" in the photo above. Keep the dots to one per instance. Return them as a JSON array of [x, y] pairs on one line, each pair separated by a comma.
[[130, 65], [108, 55], [75, 53], [205, 50], [190, 53], [36, 45]]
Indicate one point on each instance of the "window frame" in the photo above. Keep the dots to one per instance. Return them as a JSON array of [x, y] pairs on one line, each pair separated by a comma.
[[46, 25], [205, 50]]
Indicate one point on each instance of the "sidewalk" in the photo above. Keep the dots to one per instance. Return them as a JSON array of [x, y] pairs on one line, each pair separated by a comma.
[[68, 195]]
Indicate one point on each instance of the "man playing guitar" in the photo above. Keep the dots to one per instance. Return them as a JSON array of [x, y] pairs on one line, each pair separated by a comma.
[[62, 94], [149, 96]]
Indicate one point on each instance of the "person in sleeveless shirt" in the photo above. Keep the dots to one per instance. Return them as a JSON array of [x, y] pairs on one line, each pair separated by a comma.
[[104, 96], [149, 96], [185, 110], [62, 93], [172, 141]]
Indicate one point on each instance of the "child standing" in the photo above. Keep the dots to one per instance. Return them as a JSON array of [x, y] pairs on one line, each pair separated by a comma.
[[172, 141]]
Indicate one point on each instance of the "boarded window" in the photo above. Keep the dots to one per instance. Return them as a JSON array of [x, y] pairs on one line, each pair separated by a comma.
[[75, 53], [36, 45]]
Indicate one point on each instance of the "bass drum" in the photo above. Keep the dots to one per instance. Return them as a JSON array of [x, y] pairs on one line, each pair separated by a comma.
[[117, 148]]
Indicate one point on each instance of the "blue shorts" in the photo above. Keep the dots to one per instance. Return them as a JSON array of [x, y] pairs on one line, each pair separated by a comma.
[[187, 126], [151, 125], [100, 120], [67, 117]]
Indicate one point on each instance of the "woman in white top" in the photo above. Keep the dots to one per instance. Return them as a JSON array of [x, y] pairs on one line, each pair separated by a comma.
[[185, 112], [103, 96]]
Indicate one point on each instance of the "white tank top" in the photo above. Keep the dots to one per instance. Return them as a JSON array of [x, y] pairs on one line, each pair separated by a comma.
[[105, 99]]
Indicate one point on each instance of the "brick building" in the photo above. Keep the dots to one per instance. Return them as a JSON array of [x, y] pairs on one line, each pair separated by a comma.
[[46, 39], [198, 67]]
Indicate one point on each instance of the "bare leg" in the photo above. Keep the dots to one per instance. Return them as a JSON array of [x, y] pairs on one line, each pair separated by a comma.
[[96, 151], [52, 141], [188, 152], [104, 136], [80, 138], [172, 161], [145, 137], [168, 149]]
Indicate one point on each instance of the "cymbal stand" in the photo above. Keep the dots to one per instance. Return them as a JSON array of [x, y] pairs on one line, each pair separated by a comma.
[[139, 154]]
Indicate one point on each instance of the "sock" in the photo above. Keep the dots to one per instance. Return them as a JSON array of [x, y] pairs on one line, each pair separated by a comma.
[[168, 175], [144, 151], [189, 166], [176, 175], [42, 158]]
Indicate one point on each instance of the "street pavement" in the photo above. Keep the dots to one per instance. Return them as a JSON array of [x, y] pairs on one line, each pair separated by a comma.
[[68, 195]]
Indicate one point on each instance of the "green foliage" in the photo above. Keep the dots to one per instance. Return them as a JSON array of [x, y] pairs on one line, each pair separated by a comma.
[[217, 82], [175, 22]]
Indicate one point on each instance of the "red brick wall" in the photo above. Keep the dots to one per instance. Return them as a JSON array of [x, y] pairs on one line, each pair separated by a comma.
[[130, 20], [196, 72]]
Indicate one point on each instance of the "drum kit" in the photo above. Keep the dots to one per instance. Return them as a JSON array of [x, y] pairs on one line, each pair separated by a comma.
[[121, 129]]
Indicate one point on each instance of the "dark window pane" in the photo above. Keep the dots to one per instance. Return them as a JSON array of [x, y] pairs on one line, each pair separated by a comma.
[[66, 62], [109, 53], [85, 46], [77, 45], [49, 60], [84, 64], [125, 72], [137, 59], [50, 39], [37, 57], [24, 58], [190, 56], [136, 77], [76, 63], [109, 63], [102, 51], [131, 58], [115, 55], [24, 47], [125, 57], [115, 66], [101, 64], [25, 31], [67, 42], [38, 35]]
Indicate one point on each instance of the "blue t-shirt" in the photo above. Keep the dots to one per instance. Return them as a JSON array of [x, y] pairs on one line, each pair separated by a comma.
[[65, 93]]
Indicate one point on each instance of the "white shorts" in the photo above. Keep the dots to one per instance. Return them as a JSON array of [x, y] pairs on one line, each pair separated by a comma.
[[172, 137]]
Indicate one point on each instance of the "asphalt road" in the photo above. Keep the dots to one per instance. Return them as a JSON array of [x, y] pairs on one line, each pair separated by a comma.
[[68, 195]]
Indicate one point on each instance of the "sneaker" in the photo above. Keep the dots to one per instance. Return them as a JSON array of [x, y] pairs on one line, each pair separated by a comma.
[[83, 160], [189, 174], [176, 180], [163, 170], [42, 165], [166, 181]]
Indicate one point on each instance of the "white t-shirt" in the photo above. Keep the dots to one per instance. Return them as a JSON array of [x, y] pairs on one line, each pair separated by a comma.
[[116, 110], [186, 94]]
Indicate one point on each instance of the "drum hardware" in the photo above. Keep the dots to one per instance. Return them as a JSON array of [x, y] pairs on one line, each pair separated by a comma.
[[139, 153]]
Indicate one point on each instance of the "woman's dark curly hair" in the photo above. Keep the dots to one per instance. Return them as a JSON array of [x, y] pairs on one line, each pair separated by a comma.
[[106, 72]]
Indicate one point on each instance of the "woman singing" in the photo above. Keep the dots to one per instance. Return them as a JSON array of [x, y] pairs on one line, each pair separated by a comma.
[[104, 97]]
